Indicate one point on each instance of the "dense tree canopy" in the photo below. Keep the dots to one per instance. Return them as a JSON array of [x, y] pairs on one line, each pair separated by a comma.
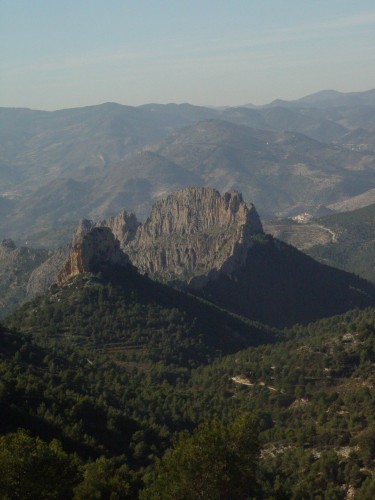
[[217, 462]]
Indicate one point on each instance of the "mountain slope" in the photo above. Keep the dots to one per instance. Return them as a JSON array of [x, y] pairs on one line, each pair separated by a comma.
[[281, 286], [16, 266], [47, 145], [330, 98], [312, 395], [124, 310], [200, 240]]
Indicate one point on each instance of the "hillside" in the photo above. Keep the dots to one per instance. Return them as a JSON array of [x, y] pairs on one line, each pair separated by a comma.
[[128, 313], [344, 240], [302, 390], [313, 396], [280, 286], [279, 172], [16, 266]]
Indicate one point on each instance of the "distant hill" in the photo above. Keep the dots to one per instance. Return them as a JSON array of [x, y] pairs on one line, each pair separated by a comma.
[[282, 173], [359, 139], [330, 98]]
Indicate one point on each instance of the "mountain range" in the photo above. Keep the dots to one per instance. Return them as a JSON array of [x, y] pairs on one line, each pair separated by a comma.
[[287, 158], [190, 317]]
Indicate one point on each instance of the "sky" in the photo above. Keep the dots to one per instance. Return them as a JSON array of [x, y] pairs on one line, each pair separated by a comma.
[[58, 54]]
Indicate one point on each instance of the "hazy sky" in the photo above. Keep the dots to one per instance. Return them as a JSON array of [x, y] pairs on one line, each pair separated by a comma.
[[66, 53]]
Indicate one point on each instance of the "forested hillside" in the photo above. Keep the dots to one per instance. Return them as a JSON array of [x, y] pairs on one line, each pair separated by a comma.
[[114, 365]]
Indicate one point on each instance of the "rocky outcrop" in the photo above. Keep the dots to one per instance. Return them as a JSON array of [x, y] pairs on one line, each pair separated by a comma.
[[190, 237], [123, 227], [194, 234], [95, 249]]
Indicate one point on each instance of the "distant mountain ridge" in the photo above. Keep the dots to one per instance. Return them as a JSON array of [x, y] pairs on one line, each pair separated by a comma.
[[58, 167]]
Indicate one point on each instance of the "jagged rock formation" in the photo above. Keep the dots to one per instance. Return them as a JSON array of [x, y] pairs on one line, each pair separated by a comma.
[[95, 249], [47, 273], [194, 234], [190, 237]]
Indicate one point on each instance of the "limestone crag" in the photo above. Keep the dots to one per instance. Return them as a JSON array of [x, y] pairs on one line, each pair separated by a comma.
[[123, 227], [189, 238], [47, 273], [194, 234], [96, 248]]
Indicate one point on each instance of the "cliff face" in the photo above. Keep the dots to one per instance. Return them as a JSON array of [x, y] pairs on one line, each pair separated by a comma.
[[194, 234], [96, 248]]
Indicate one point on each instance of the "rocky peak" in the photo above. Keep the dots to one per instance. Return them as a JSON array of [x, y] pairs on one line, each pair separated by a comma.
[[195, 210], [193, 234], [189, 238], [95, 248]]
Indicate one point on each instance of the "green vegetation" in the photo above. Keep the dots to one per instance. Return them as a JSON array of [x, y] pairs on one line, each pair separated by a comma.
[[137, 390], [217, 461], [136, 318], [31, 468]]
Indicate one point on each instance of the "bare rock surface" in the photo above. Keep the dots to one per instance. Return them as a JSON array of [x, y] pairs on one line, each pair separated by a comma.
[[194, 234], [189, 238], [95, 249]]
